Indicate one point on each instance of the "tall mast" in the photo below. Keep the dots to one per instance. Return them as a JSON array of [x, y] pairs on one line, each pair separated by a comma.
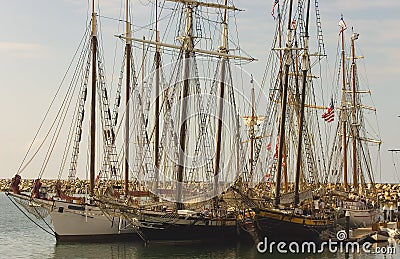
[[141, 142], [127, 94], [285, 177], [92, 160], [253, 122], [188, 46], [354, 115], [157, 107], [305, 68], [344, 118], [143, 67], [222, 49], [288, 61], [237, 146]]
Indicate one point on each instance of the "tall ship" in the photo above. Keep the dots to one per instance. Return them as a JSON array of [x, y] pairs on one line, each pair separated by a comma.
[[186, 131], [285, 186], [82, 216], [356, 141]]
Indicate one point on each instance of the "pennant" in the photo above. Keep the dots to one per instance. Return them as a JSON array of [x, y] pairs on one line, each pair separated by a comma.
[[273, 8], [276, 149], [294, 25], [355, 36], [269, 147]]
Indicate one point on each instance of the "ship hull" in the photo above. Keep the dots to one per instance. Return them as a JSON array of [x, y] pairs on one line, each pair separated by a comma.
[[74, 222], [360, 218], [189, 233], [278, 226], [175, 228], [79, 222]]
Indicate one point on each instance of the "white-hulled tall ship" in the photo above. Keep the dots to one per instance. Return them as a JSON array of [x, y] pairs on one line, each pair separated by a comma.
[[83, 217], [355, 137]]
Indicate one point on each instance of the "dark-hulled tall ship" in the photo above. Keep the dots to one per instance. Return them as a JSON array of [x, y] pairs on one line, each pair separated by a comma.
[[193, 130], [299, 212]]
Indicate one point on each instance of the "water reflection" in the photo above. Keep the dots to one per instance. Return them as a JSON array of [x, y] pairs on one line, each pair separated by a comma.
[[173, 250], [169, 250], [20, 238]]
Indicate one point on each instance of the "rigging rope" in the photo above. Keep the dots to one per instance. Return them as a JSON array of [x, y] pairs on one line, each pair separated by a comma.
[[23, 212], [22, 167]]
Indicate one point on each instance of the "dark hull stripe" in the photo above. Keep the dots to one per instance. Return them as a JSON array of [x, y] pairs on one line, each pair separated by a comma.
[[98, 238]]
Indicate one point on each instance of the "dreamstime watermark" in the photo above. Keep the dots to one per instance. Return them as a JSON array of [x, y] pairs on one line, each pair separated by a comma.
[[331, 246]]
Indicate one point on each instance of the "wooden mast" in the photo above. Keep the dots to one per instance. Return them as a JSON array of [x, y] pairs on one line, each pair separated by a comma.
[[354, 115], [222, 49], [92, 159], [305, 68], [288, 61], [252, 123], [157, 108], [237, 146], [188, 47], [285, 175], [141, 142], [127, 95], [344, 119]]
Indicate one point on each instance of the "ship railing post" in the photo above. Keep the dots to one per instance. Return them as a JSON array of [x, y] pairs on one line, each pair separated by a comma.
[[347, 223]]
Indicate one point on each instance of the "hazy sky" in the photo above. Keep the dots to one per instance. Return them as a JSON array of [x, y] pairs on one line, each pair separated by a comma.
[[38, 39]]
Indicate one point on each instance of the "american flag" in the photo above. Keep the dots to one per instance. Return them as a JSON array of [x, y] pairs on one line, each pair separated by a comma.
[[342, 25], [329, 115]]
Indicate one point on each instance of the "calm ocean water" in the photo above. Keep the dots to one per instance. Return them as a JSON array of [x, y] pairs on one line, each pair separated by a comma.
[[20, 238]]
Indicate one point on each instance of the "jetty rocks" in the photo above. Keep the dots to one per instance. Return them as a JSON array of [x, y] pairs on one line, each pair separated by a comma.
[[67, 186], [76, 186], [388, 193]]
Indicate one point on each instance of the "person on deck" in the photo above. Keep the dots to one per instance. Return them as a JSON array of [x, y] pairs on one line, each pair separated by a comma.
[[15, 181], [36, 188]]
